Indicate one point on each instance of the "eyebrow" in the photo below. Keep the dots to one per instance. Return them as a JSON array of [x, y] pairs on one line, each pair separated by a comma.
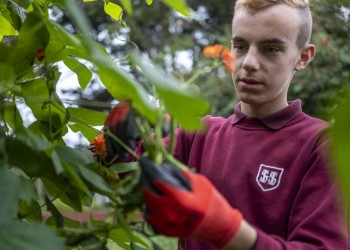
[[270, 40]]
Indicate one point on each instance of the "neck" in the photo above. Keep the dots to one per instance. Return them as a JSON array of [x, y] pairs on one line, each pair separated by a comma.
[[261, 110]]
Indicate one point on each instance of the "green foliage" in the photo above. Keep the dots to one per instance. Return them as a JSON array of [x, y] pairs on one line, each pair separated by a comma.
[[37, 168]]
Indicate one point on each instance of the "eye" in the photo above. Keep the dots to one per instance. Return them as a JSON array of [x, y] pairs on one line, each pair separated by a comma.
[[238, 47], [271, 50]]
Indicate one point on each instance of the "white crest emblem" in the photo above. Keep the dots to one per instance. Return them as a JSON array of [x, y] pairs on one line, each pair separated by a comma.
[[268, 177]]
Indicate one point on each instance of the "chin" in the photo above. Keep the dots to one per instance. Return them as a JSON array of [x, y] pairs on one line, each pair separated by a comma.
[[250, 99]]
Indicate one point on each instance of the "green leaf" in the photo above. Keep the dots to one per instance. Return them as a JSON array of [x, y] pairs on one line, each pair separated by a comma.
[[62, 44], [51, 115], [87, 116], [9, 193], [183, 105], [76, 179], [27, 190], [149, 2], [32, 160], [114, 11], [178, 5], [30, 210], [17, 15], [122, 236], [18, 235], [3, 154], [127, 6], [124, 167], [341, 146], [12, 116], [83, 73], [88, 132], [35, 31], [122, 87], [58, 217], [62, 188], [72, 156], [6, 29], [56, 162], [35, 93], [94, 179], [24, 3]]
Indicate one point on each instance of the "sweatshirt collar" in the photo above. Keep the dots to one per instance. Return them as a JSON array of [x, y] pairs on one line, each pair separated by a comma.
[[274, 121]]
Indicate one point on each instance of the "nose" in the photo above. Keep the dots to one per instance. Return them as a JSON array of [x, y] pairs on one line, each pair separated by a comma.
[[251, 60]]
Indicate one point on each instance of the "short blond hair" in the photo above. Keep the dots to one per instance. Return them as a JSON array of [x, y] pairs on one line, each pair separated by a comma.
[[303, 6]]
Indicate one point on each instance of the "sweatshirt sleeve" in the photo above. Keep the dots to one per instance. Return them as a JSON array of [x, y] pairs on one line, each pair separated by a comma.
[[316, 219]]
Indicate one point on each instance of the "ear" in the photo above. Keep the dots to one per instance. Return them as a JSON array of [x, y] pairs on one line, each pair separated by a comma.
[[306, 56]]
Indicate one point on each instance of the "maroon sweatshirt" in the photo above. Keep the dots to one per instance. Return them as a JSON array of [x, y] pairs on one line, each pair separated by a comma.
[[274, 171]]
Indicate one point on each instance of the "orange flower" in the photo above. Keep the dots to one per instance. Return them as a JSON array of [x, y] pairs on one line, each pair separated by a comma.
[[218, 51], [227, 58], [213, 51], [98, 147]]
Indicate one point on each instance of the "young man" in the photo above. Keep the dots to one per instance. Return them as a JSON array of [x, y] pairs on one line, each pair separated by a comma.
[[262, 179]]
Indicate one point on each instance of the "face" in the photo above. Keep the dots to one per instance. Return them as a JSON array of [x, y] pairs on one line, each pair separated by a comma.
[[266, 57]]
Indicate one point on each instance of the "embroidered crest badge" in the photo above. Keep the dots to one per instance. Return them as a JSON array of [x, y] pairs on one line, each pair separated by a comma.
[[268, 177]]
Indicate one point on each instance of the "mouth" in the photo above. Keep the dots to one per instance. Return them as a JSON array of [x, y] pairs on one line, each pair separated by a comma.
[[250, 81], [249, 84]]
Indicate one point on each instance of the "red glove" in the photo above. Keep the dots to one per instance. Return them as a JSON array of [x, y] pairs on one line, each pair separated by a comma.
[[184, 204], [121, 123]]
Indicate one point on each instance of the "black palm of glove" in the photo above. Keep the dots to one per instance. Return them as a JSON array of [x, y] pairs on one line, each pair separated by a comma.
[[121, 123], [166, 172]]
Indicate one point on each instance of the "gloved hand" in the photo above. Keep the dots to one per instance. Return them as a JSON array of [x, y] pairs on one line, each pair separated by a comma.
[[121, 123], [184, 204]]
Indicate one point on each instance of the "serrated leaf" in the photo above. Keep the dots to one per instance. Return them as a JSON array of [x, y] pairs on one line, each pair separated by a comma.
[[113, 10], [83, 73], [184, 105]]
